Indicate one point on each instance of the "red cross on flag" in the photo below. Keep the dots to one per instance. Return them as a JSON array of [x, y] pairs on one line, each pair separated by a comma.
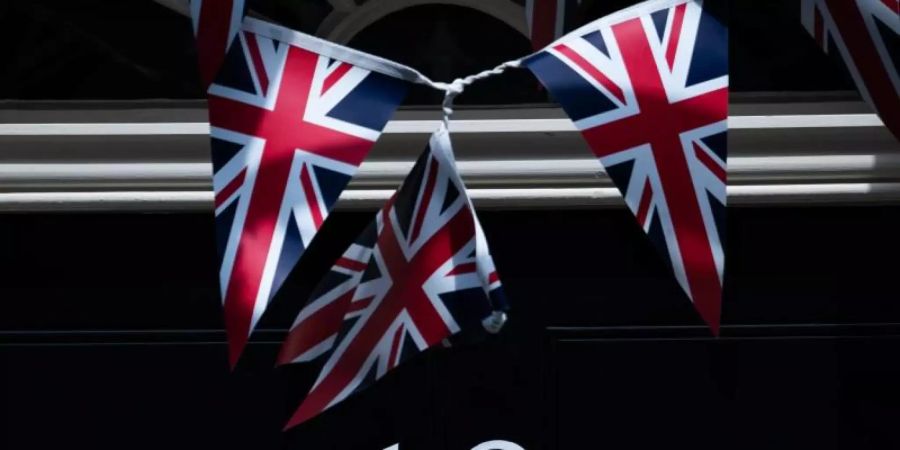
[[648, 89], [420, 273], [292, 117]]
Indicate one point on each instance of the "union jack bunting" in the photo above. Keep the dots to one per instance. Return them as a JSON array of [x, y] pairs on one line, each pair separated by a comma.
[[648, 89], [865, 33], [549, 19], [216, 23], [290, 126], [419, 273]]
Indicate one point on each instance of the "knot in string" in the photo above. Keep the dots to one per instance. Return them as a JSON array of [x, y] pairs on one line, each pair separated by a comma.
[[457, 86], [450, 92]]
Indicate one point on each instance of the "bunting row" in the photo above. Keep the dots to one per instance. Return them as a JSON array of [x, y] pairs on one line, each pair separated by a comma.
[[293, 116]]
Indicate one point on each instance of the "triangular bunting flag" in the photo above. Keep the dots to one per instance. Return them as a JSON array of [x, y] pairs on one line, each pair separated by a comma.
[[648, 89]]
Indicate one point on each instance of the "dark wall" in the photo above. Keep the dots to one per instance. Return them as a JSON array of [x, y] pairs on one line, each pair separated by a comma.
[[110, 338], [137, 49]]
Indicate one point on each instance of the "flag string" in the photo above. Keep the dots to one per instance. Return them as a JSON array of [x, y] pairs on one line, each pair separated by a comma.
[[457, 86], [495, 321]]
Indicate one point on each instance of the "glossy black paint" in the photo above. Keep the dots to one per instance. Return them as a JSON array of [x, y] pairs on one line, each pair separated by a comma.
[[110, 338]]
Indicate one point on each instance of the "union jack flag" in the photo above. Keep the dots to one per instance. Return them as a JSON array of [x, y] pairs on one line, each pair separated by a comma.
[[865, 33], [419, 274], [289, 128], [549, 19], [216, 23], [648, 89]]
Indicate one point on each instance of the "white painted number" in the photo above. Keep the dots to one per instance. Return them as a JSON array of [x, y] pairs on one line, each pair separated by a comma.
[[498, 445], [490, 445]]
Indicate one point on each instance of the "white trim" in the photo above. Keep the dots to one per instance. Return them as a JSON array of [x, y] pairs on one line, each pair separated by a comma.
[[336, 51], [804, 121], [429, 126], [553, 198], [104, 129], [545, 172], [520, 158]]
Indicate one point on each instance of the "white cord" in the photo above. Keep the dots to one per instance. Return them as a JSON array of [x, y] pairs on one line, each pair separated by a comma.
[[457, 86], [494, 322]]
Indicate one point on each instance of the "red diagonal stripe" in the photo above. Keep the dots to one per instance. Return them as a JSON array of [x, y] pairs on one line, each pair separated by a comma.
[[229, 189], [311, 198], [395, 347], [644, 205], [351, 264], [359, 305], [463, 268], [315, 329], [675, 34], [335, 76], [258, 67], [710, 163], [594, 73], [819, 27]]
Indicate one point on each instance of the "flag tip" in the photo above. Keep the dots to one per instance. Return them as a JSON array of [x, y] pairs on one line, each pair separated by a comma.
[[291, 423], [234, 353], [715, 328], [283, 358], [302, 414]]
